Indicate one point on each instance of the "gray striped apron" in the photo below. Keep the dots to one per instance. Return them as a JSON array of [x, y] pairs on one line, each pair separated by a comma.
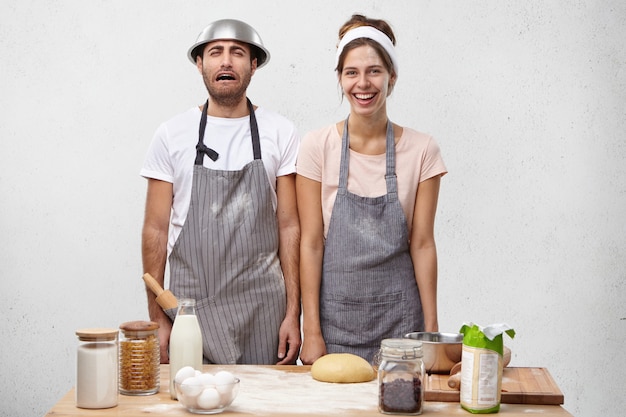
[[368, 290], [226, 257]]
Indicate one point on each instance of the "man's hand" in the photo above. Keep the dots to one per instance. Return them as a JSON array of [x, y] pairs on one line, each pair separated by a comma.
[[289, 341], [165, 328]]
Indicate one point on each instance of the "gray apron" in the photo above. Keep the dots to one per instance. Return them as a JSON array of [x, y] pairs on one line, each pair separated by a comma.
[[368, 290], [226, 257]]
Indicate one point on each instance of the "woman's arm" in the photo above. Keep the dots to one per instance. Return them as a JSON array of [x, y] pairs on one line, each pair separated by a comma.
[[424, 251]]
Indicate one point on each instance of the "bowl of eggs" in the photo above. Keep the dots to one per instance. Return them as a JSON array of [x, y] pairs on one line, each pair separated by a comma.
[[205, 393]]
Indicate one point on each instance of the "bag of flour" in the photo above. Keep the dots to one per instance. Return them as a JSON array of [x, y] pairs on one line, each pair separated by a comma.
[[481, 367]]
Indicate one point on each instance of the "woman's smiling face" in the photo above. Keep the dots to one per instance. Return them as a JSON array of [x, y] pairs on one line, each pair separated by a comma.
[[365, 81]]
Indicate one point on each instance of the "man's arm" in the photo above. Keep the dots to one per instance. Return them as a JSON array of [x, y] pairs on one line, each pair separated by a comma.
[[309, 193], [154, 252], [289, 255]]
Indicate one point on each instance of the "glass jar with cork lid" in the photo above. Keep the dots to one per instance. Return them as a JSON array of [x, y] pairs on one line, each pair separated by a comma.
[[96, 368], [139, 358], [401, 377]]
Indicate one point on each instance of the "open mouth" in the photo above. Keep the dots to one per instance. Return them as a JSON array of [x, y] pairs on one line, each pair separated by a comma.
[[364, 96], [225, 77]]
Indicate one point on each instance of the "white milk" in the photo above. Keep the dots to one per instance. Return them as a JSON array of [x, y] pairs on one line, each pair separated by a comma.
[[185, 346]]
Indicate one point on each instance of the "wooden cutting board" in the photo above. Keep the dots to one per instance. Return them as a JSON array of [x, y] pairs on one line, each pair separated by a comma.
[[519, 386]]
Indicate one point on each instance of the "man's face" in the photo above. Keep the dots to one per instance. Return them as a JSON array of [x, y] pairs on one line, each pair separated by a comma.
[[227, 68]]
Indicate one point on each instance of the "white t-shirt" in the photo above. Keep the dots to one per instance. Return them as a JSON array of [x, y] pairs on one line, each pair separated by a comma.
[[172, 153]]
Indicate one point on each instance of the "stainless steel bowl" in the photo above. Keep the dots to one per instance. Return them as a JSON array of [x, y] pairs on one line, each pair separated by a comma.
[[441, 350], [233, 30]]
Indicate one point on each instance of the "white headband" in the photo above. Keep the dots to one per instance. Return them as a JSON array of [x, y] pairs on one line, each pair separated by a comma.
[[370, 33]]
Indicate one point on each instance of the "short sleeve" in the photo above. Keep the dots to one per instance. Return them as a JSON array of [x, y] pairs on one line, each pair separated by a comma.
[[157, 163], [289, 153], [310, 157], [432, 162]]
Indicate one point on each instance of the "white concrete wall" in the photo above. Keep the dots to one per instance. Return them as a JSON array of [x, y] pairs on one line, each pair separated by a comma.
[[526, 99]]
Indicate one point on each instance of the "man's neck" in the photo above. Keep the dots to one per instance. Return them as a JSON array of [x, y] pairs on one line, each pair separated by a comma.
[[217, 109]]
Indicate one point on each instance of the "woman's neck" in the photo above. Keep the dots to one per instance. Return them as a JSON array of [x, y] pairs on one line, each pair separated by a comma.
[[368, 134]]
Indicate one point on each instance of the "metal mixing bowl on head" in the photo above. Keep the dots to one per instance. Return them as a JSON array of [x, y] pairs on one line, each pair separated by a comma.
[[231, 29], [441, 350]]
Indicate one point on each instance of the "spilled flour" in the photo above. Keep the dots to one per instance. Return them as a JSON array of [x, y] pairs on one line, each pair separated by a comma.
[[271, 392]]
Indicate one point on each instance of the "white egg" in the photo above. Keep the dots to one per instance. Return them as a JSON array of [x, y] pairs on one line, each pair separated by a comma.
[[224, 377], [225, 382], [225, 390], [198, 373], [208, 399], [226, 397], [184, 373], [207, 380], [189, 402], [191, 387]]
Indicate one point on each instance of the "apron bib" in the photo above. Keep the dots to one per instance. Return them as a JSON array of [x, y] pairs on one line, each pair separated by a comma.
[[226, 257], [368, 290]]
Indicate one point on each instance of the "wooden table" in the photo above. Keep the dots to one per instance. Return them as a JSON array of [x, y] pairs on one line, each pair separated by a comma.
[[283, 391]]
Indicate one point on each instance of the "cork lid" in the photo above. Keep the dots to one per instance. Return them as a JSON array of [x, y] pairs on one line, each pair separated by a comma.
[[138, 326], [97, 333]]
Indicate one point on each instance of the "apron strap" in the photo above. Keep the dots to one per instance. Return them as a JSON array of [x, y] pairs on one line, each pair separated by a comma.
[[202, 149], [345, 156], [254, 130], [390, 176], [390, 159]]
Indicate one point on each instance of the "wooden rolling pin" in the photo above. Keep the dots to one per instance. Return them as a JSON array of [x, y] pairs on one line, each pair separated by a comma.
[[455, 373], [164, 298]]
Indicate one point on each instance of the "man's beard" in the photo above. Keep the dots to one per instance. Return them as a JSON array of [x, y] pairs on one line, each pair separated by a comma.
[[229, 96]]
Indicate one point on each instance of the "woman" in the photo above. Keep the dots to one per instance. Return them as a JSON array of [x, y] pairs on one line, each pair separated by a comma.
[[367, 192]]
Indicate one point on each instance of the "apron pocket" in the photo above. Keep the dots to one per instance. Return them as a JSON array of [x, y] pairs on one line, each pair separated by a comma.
[[360, 321]]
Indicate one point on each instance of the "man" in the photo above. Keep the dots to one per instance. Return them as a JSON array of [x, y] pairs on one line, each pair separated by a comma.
[[221, 208]]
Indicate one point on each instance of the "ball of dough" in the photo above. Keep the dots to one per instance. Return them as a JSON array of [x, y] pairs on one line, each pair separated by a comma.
[[342, 367]]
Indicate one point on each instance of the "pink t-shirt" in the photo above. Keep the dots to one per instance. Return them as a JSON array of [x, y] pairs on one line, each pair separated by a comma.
[[418, 158]]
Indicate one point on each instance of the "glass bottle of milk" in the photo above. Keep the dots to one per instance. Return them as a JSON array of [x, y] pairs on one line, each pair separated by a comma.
[[185, 347]]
